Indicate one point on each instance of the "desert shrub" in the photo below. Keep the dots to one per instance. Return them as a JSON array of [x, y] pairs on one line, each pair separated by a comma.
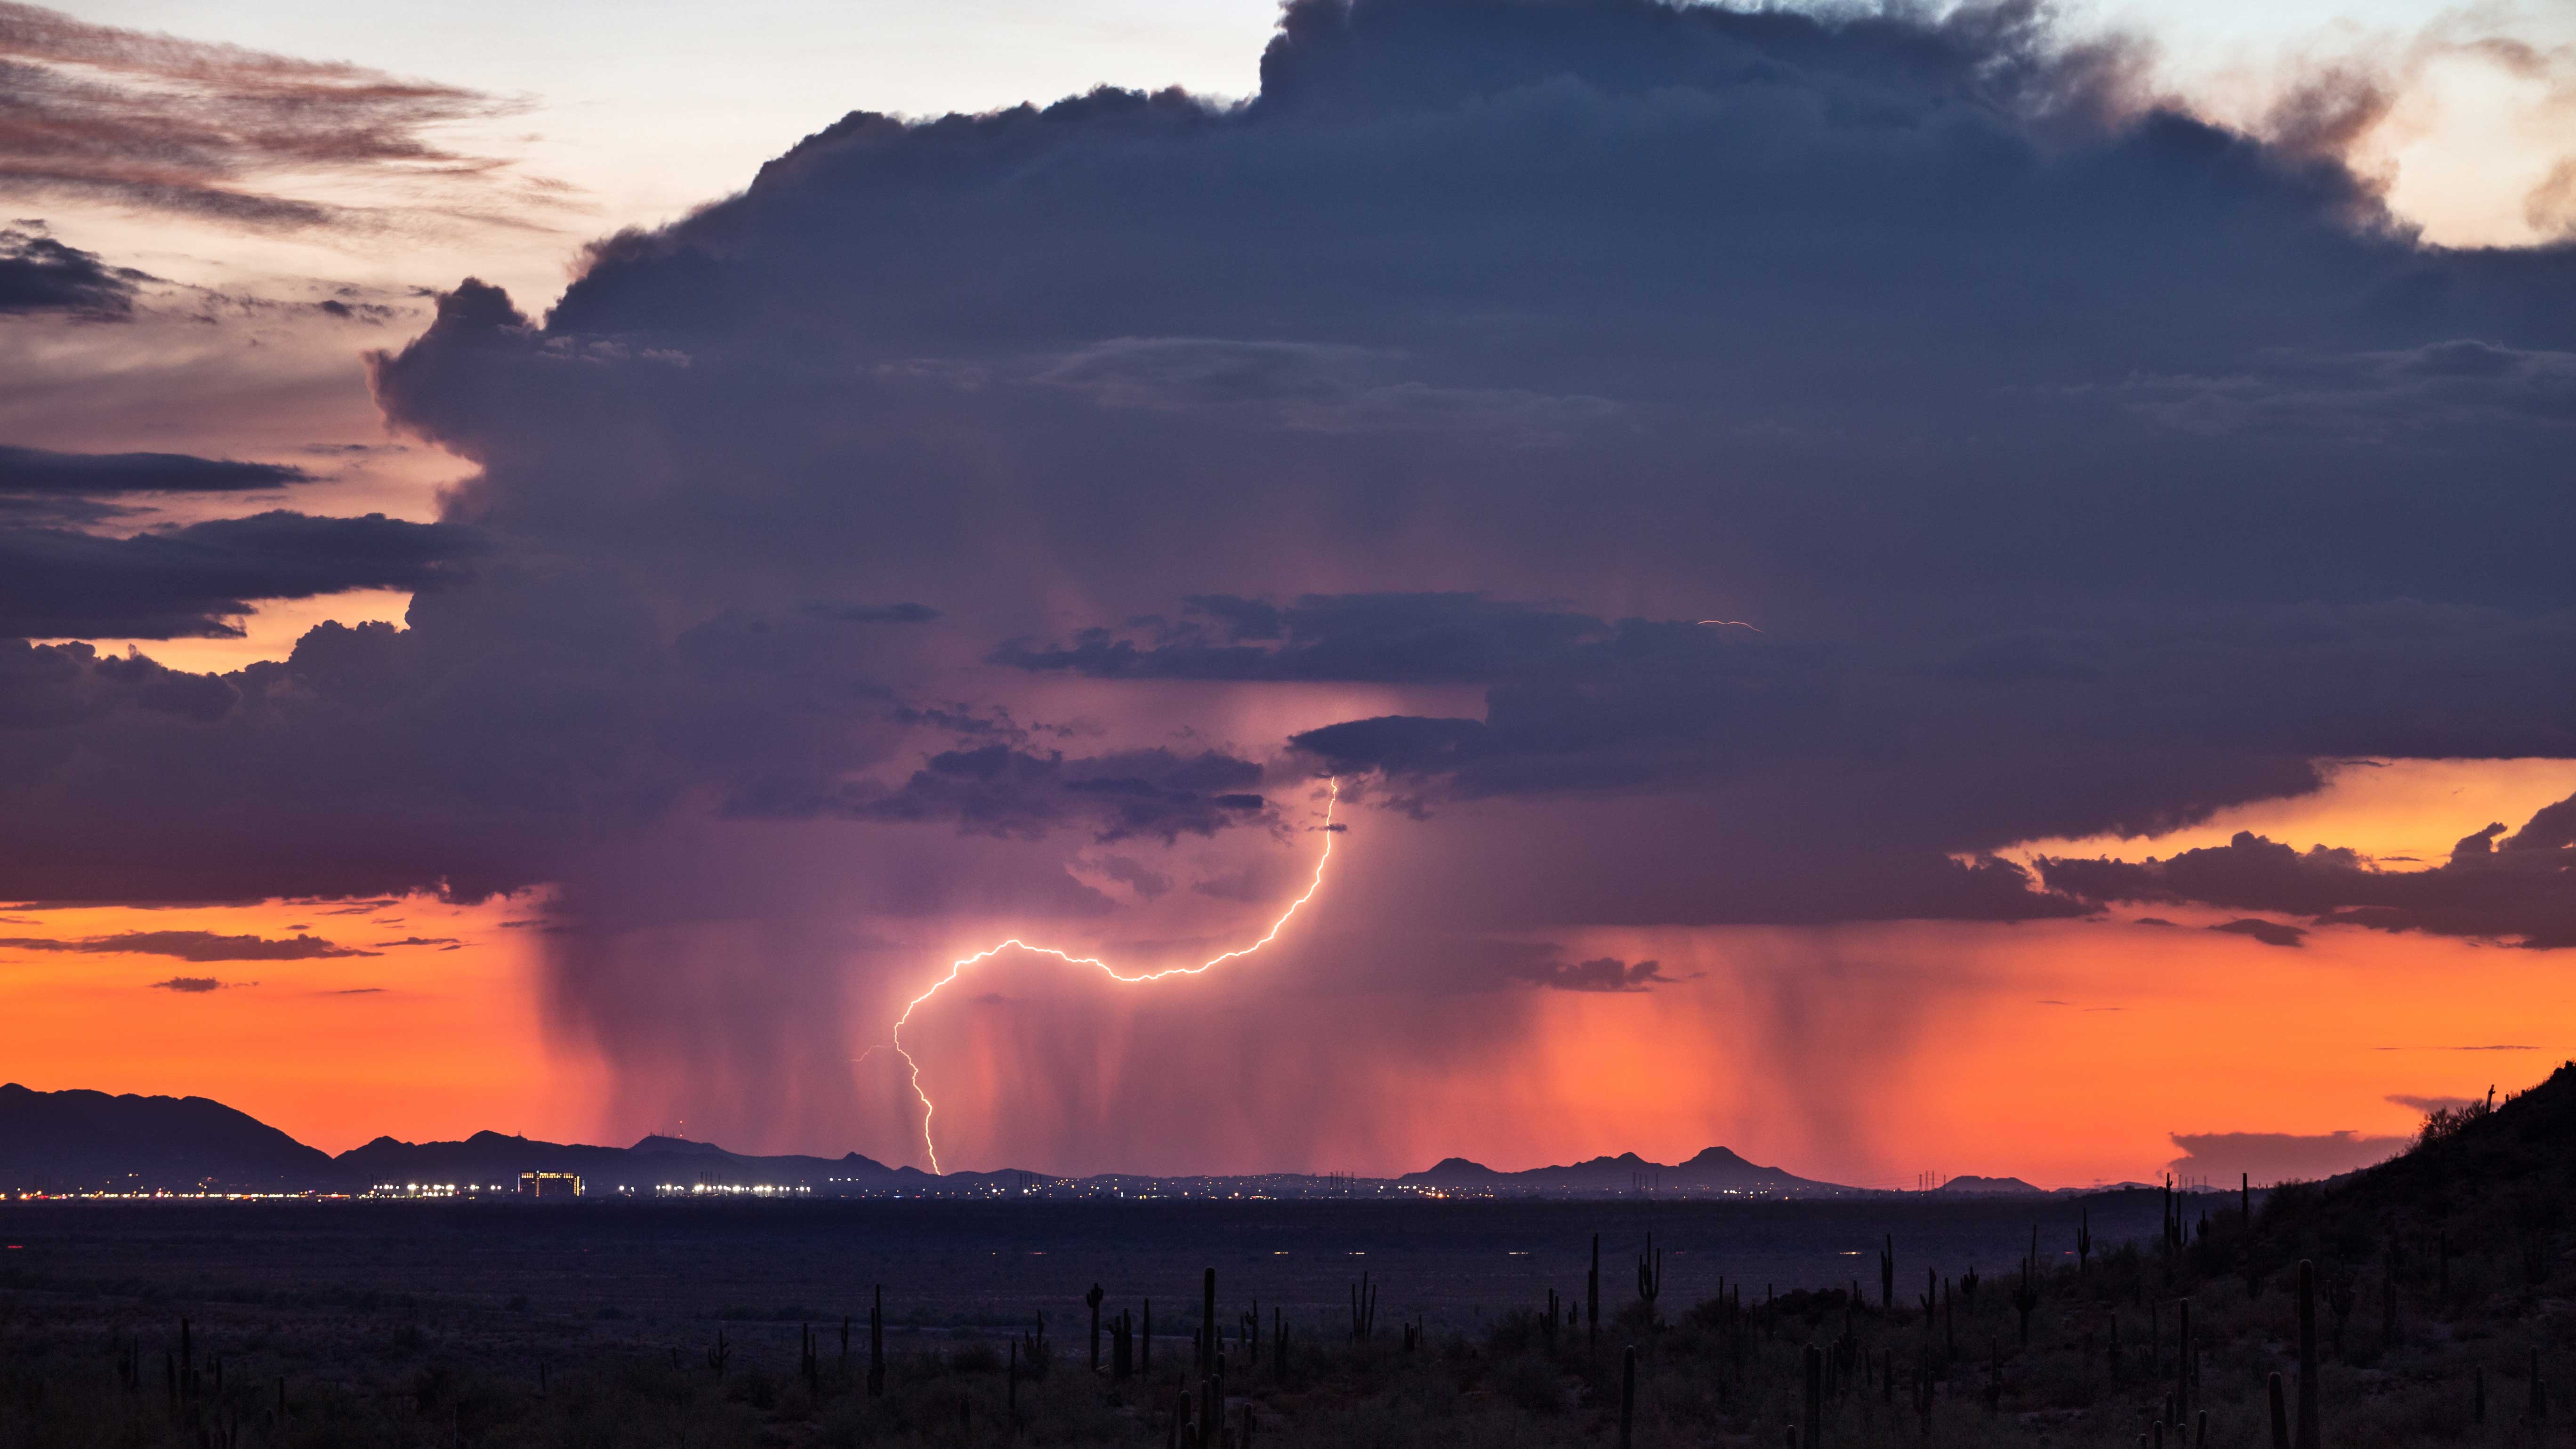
[[1530, 1382]]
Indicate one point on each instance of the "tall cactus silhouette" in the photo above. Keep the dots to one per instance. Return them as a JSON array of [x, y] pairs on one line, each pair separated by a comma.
[[1207, 1324], [1887, 1275], [1650, 1278], [1592, 1300], [1091, 1300], [2083, 1241], [2025, 1298], [876, 1345]]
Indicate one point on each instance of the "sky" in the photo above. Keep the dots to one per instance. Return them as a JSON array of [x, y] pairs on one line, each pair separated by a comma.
[[1931, 589]]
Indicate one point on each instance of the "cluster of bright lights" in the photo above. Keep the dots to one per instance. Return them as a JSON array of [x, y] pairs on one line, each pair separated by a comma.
[[961, 965], [728, 1189]]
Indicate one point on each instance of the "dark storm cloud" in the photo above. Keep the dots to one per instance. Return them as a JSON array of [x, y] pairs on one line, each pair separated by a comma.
[[189, 985], [2517, 886], [40, 274], [1876, 307], [166, 124], [190, 946], [191, 581]]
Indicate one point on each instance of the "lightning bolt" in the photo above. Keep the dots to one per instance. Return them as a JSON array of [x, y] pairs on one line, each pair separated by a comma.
[[962, 964]]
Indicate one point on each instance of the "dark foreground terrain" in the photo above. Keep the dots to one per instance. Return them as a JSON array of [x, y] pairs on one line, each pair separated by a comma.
[[626, 1323]]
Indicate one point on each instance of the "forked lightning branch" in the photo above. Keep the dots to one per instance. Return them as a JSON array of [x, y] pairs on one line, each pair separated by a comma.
[[963, 964]]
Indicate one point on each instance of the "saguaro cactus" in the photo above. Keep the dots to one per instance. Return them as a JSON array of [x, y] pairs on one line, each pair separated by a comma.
[[2280, 1414], [2182, 1360], [1650, 1278], [1363, 1310], [2083, 1241], [876, 1344], [2026, 1296], [1628, 1399], [1887, 1275], [1592, 1300], [1091, 1300], [1207, 1324]]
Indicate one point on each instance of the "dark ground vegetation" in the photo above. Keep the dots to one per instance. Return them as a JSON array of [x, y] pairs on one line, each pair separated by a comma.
[[2436, 1283]]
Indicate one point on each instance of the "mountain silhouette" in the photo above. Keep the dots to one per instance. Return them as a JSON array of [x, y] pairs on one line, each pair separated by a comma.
[[1718, 1169], [79, 1141], [1970, 1185]]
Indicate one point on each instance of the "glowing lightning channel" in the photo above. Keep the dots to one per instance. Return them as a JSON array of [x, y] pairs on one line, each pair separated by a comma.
[[958, 967]]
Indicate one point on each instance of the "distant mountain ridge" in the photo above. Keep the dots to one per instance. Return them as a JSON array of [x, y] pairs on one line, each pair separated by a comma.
[[492, 1159], [73, 1141], [1717, 1169]]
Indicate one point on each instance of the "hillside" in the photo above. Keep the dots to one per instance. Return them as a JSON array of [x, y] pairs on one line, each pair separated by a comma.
[[2495, 1183], [82, 1141], [494, 1159]]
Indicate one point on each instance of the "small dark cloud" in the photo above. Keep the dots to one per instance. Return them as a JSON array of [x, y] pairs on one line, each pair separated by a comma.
[[1146, 882], [361, 908], [419, 941], [38, 486], [193, 581], [1389, 638], [869, 613], [190, 946], [189, 985], [40, 274], [358, 991], [2498, 884], [2270, 933], [1310, 387], [997, 790], [2270, 1157], [2155, 921], [1604, 973]]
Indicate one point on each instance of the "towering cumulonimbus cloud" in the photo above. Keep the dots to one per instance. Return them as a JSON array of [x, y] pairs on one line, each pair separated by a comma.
[[982, 518]]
